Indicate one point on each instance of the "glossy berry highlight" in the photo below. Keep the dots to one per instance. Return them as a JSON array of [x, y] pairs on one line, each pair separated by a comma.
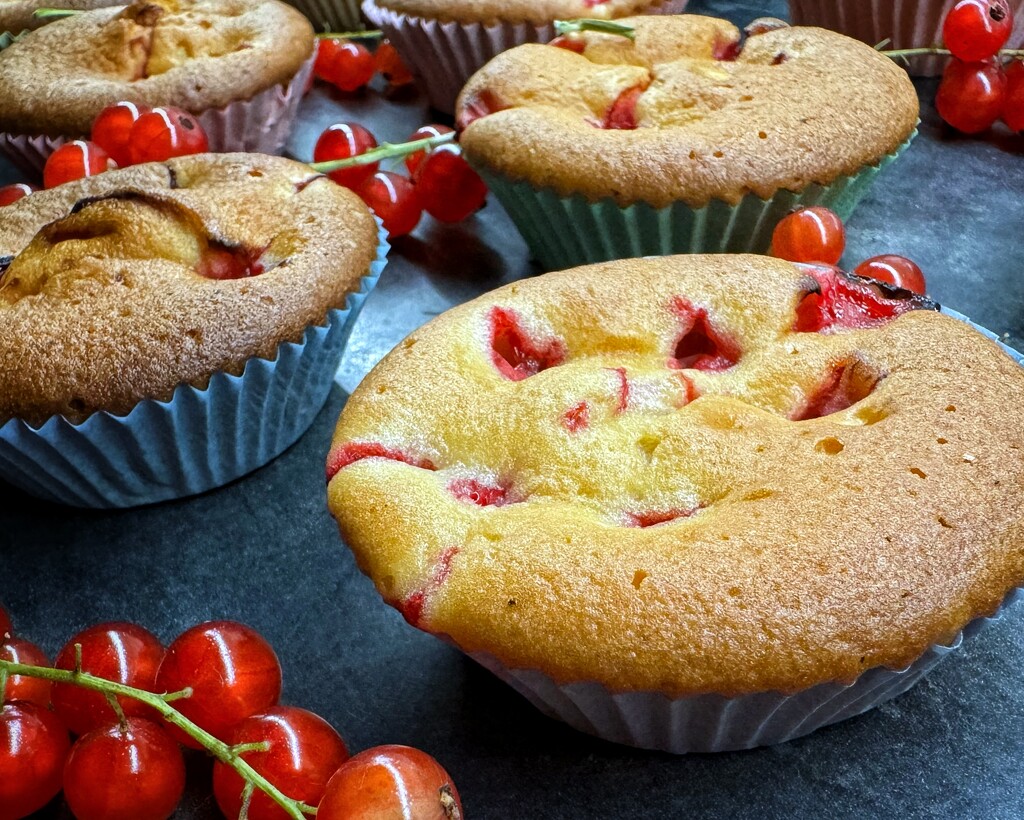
[[413, 160], [395, 200], [164, 133], [9, 194], [895, 270], [810, 235], [23, 687], [33, 747], [449, 189], [971, 95], [342, 141], [112, 129], [75, 160], [346, 65], [976, 29]]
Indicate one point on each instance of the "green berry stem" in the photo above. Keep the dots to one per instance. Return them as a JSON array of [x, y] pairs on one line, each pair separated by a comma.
[[904, 53], [385, 151], [48, 13], [602, 26], [162, 704], [372, 34]]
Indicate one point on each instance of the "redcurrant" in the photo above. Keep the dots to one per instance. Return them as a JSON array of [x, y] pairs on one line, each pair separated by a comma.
[[23, 687], [164, 133], [129, 772], [233, 673], [75, 160], [1013, 106], [413, 160], [896, 270], [396, 782], [810, 235], [341, 141], [976, 29], [569, 43], [971, 95], [33, 747], [6, 629], [121, 652], [389, 64], [112, 129], [304, 751], [10, 194], [346, 65], [395, 200], [449, 189]]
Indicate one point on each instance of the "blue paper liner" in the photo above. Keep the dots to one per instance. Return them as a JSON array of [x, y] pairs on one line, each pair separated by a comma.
[[199, 439]]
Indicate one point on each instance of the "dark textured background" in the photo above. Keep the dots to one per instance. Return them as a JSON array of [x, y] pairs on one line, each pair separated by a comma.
[[265, 551]]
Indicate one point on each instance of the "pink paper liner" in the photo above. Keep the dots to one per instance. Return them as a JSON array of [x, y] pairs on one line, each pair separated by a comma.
[[906, 23], [443, 56], [258, 125], [331, 15]]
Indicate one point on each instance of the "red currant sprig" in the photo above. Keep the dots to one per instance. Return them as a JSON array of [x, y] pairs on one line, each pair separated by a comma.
[[349, 65]]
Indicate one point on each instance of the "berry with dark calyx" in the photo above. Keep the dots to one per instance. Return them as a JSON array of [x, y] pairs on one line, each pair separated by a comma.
[[396, 782], [23, 687], [9, 194], [341, 141], [896, 270], [810, 235], [1013, 104], [164, 133], [33, 747], [389, 65], [413, 160], [395, 200], [971, 95], [232, 671], [976, 29], [75, 160], [112, 129], [120, 652], [304, 751], [129, 772], [346, 65], [449, 189]]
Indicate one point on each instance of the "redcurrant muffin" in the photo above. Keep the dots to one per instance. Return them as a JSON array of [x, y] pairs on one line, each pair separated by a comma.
[[239, 66], [160, 334], [680, 140], [693, 503], [445, 41], [19, 15]]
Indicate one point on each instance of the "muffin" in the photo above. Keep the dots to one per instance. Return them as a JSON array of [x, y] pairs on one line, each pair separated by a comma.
[[909, 24], [663, 144], [692, 503], [167, 328], [443, 42], [19, 15], [239, 66]]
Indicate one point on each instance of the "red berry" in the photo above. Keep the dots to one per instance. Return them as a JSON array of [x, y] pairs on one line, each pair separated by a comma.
[[976, 29], [896, 270], [389, 64], [164, 133], [449, 189], [134, 772], [121, 652], [6, 628], [971, 95], [304, 752], [33, 747], [22, 687], [1013, 105], [75, 160], [395, 200], [395, 782], [10, 194], [325, 51], [112, 129], [569, 43], [810, 235], [413, 160], [344, 140], [233, 673], [347, 66]]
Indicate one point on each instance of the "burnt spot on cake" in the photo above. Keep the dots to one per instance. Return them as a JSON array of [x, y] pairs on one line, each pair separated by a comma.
[[846, 385], [700, 346], [780, 58], [514, 353], [413, 605], [341, 457], [481, 493], [577, 417]]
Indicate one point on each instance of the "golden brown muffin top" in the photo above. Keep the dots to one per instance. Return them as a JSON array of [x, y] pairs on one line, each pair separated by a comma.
[[19, 15], [516, 11], [688, 474], [193, 54], [796, 106], [108, 291]]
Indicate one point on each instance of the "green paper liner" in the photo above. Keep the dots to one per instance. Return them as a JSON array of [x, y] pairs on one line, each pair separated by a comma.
[[331, 15], [564, 232]]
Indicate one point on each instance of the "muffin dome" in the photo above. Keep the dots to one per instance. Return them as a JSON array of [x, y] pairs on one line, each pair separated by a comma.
[[19, 15]]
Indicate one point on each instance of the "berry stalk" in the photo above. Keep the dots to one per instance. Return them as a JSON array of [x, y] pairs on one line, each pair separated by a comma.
[[935, 51], [54, 14], [589, 24], [387, 150], [228, 755], [372, 34]]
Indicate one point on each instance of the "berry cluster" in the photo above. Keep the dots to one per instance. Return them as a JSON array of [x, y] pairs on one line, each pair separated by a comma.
[[816, 236], [440, 180], [113, 685], [349, 66]]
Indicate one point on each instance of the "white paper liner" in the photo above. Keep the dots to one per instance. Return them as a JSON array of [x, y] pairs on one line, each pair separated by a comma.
[[331, 15], [443, 56], [258, 125], [905, 23], [199, 439]]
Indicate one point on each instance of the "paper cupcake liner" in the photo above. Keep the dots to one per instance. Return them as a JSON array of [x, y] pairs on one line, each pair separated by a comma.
[[331, 15], [258, 125], [905, 23], [443, 56], [199, 439], [564, 232]]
